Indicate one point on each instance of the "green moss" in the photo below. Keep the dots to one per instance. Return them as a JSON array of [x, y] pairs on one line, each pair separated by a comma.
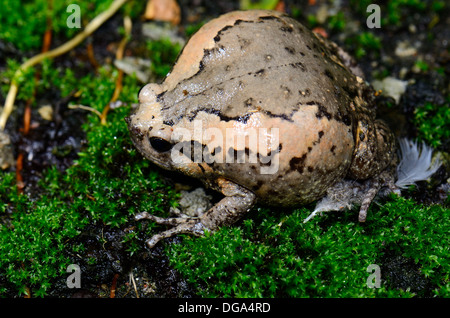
[[258, 4], [275, 255], [364, 43], [26, 33], [107, 185], [337, 22], [163, 54], [433, 123]]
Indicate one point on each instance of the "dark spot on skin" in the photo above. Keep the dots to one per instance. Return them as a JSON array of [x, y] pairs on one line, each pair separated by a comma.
[[269, 17], [217, 38], [258, 184], [305, 93], [286, 91], [320, 134], [290, 49], [225, 28], [239, 21], [347, 120], [309, 48], [322, 111], [299, 65], [351, 91], [310, 169], [333, 148], [216, 150], [249, 102], [362, 136], [139, 135], [244, 43], [242, 119], [297, 163], [302, 54], [185, 92], [287, 29], [227, 68], [220, 91], [315, 56], [168, 122], [309, 149], [283, 116], [196, 151], [201, 67], [259, 73], [329, 74], [159, 97], [153, 117], [236, 154]]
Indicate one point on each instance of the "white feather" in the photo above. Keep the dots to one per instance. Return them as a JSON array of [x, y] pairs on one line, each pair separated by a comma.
[[415, 163]]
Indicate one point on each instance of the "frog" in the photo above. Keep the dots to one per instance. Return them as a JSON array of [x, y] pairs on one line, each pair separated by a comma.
[[262, 73]]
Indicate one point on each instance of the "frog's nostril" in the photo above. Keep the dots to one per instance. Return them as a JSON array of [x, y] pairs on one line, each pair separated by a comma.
[[160, 144]]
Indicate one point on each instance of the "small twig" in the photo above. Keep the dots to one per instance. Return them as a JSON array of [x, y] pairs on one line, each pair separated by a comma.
[[134, 284], [88, 30], [86, 108], [91, 56], [119, 55], [114, 286]]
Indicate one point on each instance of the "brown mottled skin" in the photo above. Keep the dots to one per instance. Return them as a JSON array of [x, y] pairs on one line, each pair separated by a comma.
[[262, 69]]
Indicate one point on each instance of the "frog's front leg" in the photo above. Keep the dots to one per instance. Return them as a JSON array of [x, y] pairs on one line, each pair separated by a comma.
[[237, 201], [373, 186]]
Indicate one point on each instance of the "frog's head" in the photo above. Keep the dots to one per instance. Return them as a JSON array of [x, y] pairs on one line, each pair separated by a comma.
[[150, 135]]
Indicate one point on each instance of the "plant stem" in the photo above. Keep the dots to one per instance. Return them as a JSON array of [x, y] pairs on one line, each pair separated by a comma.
[[88, 30]]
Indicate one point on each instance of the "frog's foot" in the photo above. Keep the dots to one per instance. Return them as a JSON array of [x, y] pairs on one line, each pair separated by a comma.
[[373, 187], [237, 201], [181, 225]]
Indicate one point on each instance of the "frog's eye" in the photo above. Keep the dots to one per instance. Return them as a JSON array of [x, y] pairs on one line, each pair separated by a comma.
[[160, 144]]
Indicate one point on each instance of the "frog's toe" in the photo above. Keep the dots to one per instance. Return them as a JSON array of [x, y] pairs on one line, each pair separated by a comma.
[[188, 227], [164, 221], [181, 225]]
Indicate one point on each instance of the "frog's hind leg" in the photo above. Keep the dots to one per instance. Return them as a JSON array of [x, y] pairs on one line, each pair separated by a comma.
[[232, 207]]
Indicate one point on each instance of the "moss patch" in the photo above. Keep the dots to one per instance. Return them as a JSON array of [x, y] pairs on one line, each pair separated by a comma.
[[276, 255]]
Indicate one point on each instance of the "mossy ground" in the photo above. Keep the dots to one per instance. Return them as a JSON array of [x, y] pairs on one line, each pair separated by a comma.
[[78, 207]]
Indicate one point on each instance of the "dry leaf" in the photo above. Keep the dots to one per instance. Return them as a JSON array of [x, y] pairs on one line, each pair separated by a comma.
[[163, 10]]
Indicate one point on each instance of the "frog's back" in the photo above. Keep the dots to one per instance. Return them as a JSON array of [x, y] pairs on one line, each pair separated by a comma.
[[269, 64]]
